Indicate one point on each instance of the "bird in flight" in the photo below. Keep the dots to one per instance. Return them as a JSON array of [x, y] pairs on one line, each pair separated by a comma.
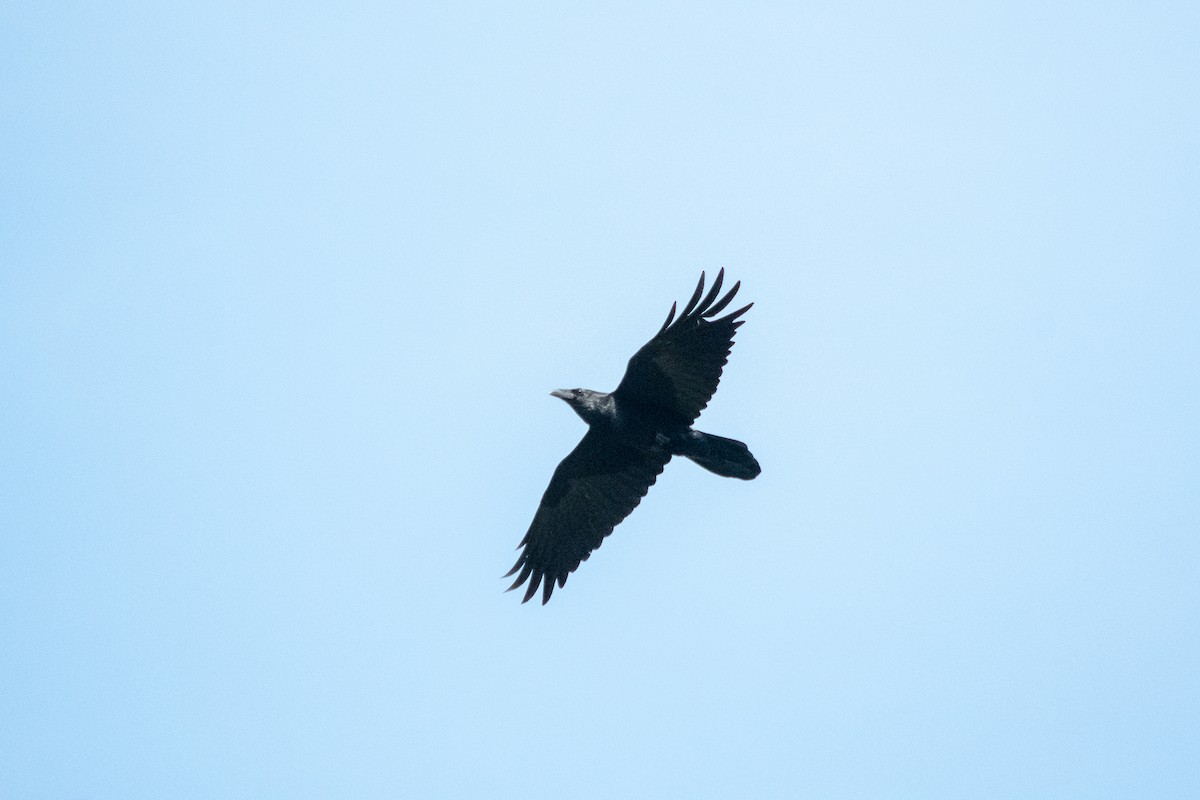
[[633, 432]]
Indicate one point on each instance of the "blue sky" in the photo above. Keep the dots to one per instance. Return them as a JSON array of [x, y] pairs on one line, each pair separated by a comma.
[[282, 294]]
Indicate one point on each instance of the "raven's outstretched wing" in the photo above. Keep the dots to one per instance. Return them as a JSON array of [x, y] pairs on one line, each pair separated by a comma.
[[594, 488], [675, 374]]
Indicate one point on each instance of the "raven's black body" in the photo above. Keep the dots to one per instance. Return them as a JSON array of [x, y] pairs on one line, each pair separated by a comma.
[[632, 433]]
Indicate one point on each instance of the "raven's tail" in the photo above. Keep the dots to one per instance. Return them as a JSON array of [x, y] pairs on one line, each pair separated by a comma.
[[728, 458]]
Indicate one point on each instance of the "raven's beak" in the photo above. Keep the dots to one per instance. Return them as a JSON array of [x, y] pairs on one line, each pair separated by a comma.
[[561, 394]]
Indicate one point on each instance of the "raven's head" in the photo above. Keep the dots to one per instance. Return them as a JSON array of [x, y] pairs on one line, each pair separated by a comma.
[[589, 405]]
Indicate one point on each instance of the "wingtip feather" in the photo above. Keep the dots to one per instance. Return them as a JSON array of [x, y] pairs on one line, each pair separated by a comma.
[[520, 578], [712, 294], [670, 317], [724, 301], [531, 590], [695, 297], [740, 311]]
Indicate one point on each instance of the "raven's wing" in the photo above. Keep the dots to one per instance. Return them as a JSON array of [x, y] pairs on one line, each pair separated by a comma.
[[594, 488], [675, 374]]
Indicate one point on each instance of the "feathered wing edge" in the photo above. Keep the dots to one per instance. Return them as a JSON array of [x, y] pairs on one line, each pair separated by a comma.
[[697, 309], [536, 575], [535, 578], [705, 341], [592, 490]]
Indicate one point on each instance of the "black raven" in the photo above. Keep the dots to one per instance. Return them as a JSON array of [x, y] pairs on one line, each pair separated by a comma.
[[632, 434]]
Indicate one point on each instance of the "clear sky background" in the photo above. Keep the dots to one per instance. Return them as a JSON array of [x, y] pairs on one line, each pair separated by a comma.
[[283, 290]]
